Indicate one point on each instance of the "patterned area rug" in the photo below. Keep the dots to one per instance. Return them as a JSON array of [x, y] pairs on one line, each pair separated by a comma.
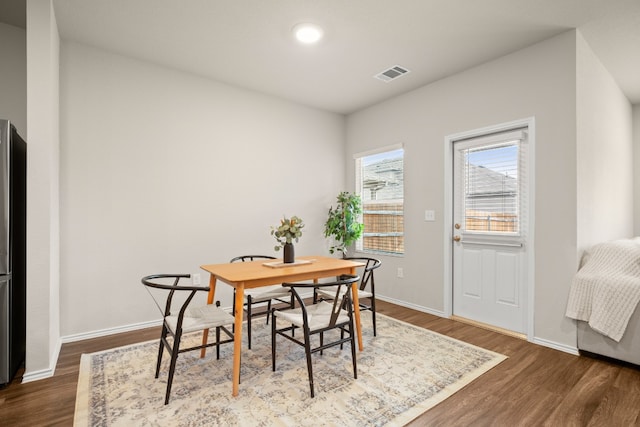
[[402, 372]]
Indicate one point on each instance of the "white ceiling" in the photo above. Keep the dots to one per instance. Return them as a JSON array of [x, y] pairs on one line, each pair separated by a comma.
[[248, 42]]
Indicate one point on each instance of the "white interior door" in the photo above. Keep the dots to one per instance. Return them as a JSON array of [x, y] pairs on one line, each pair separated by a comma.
[[489, 229]]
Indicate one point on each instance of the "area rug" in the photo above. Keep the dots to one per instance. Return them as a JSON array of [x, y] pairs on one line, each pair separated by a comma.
[[402, 372]]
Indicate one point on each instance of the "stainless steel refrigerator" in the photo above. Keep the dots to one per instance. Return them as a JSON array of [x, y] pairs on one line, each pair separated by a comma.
[[13, 251]]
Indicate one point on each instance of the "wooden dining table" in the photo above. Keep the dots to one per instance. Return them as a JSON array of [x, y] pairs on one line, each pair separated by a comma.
[[255, 274]]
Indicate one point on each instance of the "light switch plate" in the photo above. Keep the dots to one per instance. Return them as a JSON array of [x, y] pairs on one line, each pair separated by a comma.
[[429, 215]]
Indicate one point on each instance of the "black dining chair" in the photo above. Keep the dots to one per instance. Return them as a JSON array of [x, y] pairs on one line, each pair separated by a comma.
[[266, 294], [316, 319], [366, 288], [184, 319]]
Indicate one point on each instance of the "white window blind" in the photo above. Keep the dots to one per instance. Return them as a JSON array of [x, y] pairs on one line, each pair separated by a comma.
[[494, 175]]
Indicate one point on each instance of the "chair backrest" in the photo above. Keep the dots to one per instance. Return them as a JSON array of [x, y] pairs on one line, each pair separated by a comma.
[[157, 281], [341, 300], [367, 277], [245, 258]]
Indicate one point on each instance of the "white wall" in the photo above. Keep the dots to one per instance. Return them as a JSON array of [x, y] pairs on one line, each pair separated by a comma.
[[605, 154], [13, 69], [163, 171], [43, 234], [537, 81]]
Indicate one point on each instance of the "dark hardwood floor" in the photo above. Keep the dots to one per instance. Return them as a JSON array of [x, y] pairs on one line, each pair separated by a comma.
[[535, 386]]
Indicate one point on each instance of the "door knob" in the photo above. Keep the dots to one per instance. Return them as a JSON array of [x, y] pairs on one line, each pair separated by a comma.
[[456, 238], [457, 226]]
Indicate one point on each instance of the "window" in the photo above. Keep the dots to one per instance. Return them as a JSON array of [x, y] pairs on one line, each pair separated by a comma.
[[380, 184], [492, 178]]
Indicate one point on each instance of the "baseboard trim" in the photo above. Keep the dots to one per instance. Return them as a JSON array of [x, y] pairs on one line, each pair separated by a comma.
[[38, 375], [110, 331], [411, 306], [41, 374], [557, 346]]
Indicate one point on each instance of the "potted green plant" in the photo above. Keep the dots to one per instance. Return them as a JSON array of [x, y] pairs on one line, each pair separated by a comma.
[[343, 224], [290, 229]]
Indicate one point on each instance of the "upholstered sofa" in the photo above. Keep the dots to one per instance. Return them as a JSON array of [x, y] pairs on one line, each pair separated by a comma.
[[628, 349]]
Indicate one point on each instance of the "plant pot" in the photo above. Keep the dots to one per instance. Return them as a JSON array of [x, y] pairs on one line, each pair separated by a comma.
[[289, 253]]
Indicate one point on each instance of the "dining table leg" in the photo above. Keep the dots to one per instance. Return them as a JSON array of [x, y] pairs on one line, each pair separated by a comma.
[[356, 310], [237, 337], [210, 296]]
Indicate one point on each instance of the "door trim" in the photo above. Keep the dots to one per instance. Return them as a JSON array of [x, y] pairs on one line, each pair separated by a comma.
[[449, 141]]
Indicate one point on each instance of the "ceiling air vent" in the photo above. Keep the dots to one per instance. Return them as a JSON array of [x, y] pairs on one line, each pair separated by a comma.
[[392, 73]]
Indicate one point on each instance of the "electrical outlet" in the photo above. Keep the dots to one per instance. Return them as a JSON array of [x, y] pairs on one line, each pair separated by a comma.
[[400, 272], [429, 215], [195, 278]]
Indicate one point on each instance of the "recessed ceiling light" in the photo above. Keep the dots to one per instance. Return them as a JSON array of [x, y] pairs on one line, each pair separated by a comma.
[[308, 33]]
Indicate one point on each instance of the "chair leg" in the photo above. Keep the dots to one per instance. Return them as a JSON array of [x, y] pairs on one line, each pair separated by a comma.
[[293, 305], [233, 310], [159, 358], [172, 366], [249, 316], [268, 310], [353, 349], [218, 342], [161, 350], [373, 314], [307, 350], [233, 305], [273, 342]]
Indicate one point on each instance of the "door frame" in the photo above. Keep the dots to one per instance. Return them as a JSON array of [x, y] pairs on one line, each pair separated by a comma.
[[449, 141]]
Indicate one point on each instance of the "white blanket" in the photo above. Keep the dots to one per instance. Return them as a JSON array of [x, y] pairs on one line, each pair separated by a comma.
[[606, 289]]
